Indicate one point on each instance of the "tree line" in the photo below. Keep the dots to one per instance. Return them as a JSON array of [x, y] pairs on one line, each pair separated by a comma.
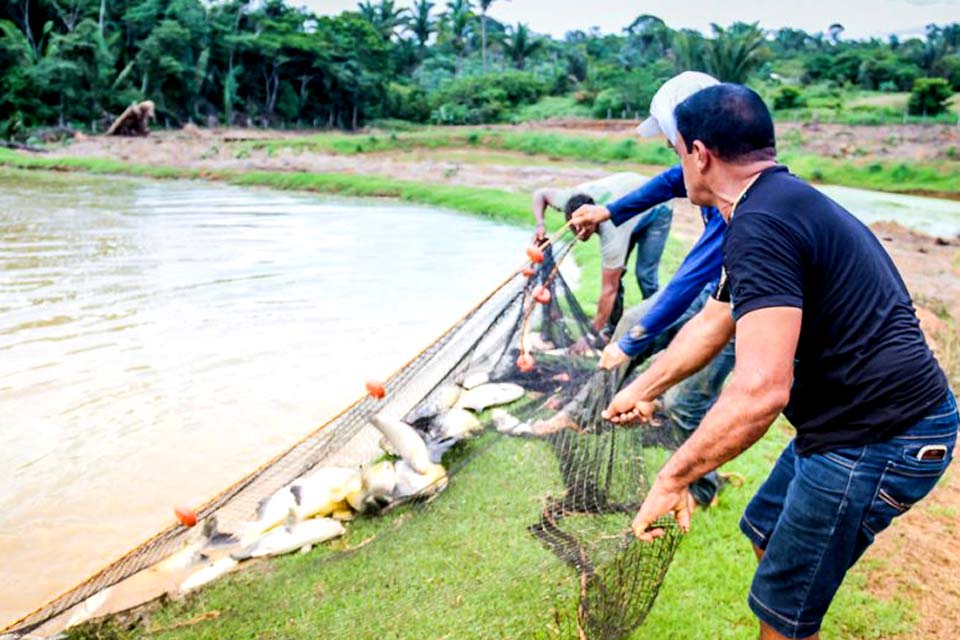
[[78, 63]]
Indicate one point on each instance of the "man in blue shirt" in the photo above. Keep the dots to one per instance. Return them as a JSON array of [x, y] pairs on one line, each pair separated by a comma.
[[649, 327]]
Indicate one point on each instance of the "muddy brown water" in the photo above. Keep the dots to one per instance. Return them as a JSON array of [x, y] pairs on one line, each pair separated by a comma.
[[158, 340]]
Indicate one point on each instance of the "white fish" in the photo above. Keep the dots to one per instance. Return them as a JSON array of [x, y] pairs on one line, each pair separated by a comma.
[[89, 607], [405, 441], [457, 424], [208, 573], [490, 395], [437, 402], [473, 379], [508, 423], [324, 491], [271, 511], [292, 537], [411, 484], [208, 536], [378, 480]]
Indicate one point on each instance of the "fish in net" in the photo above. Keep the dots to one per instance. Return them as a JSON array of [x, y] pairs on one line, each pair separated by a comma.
[[518, 335]]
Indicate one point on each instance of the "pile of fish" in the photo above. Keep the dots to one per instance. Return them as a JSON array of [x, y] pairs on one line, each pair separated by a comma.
[[312, 509]]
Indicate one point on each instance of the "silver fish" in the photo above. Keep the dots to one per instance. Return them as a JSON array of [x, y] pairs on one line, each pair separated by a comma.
[[490, 395], [292, 537]]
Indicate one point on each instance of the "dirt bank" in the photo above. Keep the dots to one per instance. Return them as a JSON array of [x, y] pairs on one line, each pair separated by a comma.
[[899, 142]]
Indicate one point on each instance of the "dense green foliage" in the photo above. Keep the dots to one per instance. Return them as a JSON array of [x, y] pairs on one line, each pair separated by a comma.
[[929, 96], [266, 63]]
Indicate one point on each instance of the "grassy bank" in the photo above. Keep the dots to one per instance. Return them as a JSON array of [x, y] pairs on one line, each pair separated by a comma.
[[942, 178], [465, 567]]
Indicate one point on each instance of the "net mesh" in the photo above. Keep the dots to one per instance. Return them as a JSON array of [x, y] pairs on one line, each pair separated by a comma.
[[603, 470]]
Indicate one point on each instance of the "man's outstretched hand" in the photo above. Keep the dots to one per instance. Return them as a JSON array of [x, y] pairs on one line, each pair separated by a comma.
[[626, 407], [664, 497], [586, 218], [539, 235]]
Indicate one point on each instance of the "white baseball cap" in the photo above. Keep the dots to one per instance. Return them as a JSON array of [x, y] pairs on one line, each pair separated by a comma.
[[665, 100]]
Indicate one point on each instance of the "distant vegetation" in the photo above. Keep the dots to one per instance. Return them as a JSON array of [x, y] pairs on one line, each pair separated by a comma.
[[77, 63]]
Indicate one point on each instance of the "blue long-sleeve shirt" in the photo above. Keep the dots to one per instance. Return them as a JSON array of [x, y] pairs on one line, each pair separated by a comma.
[[700, 267]]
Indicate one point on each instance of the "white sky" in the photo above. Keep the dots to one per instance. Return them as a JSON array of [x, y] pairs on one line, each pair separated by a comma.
[[861, 18]]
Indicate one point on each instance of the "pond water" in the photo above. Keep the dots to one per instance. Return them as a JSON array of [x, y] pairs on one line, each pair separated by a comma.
[[933, 216], [158, 340]]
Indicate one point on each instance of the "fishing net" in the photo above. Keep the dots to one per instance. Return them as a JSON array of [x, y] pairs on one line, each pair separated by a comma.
[[602, 470]]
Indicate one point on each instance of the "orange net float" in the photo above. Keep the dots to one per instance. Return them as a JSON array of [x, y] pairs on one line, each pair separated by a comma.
[[529, 271], [186, 515], [535, 254], [541, 294], [525, 362], [376, 389]]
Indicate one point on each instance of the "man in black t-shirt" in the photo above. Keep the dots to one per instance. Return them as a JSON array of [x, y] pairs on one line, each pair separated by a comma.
[[826, 333]]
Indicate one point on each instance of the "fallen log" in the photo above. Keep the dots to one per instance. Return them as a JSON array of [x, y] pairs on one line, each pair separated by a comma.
[[19, 146]]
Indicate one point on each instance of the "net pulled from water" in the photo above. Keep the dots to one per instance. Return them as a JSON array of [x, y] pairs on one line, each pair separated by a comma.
[[518, 337]]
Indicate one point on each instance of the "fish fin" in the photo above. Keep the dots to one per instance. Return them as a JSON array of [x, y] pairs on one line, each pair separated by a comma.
[[292, 520], [216, 538], [297, 492], [261, 506]]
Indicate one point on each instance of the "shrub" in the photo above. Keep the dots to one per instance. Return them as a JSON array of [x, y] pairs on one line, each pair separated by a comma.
[[929, 96], [487, 98], [407, 103], [788, 97], [608, 102]]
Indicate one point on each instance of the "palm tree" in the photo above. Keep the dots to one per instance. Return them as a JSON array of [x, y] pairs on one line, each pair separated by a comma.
[[651, 33], [421, 24], [458, 17], [385, 17], [688, 50], [520, 45], [733, 53], [484, 7]]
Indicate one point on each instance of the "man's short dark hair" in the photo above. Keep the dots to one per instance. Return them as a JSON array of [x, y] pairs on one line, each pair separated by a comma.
[[729, 119], [575, 202]]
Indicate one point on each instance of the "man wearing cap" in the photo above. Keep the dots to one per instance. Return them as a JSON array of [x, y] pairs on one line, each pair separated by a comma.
[[649, 327], [648, 235], [826, 332]]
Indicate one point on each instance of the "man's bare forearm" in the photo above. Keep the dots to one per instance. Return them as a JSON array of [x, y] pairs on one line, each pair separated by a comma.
[[608, 296], [539, 205]]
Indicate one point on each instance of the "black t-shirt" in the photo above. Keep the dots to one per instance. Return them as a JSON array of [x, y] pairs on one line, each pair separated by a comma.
[[863, 371]]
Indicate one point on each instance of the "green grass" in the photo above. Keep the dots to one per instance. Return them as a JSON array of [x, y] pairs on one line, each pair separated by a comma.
[[465, 567], [553, 107]]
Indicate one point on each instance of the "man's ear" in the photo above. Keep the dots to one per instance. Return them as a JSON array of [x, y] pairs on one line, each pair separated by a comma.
[[702, 156]]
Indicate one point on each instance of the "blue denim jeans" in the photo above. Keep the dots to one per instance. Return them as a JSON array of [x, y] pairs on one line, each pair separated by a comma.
[[815, 515], [649, 237]]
